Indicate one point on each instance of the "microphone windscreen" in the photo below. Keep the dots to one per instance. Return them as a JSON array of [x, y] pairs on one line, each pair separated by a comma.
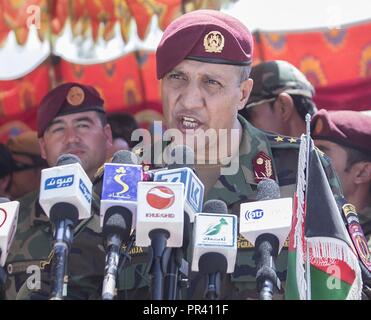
[[67, 158], [117, 220], [125, 157], [4, 199], [183, 156], [268, 189], [64, 210], [215, 206], [212, 262]]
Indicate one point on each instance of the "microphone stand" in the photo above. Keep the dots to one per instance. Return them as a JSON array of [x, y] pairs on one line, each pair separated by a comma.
[[176, 259], [266, 250], [158, 243], [171, 289], [63, 242]]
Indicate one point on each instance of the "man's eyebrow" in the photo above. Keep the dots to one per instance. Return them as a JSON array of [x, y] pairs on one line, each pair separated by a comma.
[[55, 121], [82, 118]]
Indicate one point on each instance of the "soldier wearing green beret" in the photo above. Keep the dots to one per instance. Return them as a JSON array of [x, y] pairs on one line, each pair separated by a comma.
[[280, 98], [71, 119]]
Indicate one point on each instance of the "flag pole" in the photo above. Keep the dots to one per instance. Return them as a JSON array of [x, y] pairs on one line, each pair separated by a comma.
[[309, 147]]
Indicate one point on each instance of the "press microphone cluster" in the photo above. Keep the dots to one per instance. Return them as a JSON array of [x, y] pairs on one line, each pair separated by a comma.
[[266, 223], [65, 197], [214, 245], [117, 211], [181, 169]]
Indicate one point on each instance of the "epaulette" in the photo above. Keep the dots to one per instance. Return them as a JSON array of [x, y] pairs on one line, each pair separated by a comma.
[[276, 140]]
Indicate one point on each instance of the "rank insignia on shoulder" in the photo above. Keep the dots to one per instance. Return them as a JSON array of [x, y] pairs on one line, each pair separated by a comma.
[[263, 167], [279, 139], [357, 235]]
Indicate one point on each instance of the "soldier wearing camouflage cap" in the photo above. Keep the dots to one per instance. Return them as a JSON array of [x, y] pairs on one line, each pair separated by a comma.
[[71, 119], [280, 98], [203, 61]]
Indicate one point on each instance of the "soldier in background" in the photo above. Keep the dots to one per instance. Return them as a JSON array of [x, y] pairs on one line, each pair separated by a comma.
[[6, 169], [27, 164], [280, 98], [345, 136], [71, 119]]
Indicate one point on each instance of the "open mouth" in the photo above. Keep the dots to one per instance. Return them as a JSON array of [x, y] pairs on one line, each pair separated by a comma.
[[188, 123]]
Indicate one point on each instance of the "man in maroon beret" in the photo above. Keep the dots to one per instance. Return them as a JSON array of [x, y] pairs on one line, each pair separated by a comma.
[[345, 136], [204, 62], [71, 119]]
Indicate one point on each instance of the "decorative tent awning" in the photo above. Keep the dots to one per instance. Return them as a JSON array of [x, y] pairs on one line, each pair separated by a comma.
[[337, 62], [98, 17]]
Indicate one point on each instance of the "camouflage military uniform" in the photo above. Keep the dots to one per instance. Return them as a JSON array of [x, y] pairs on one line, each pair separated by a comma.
[[365, 220], [31, 252], [234, 190]]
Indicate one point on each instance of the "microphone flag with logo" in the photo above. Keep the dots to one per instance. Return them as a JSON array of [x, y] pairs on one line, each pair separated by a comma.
[[322, 261]]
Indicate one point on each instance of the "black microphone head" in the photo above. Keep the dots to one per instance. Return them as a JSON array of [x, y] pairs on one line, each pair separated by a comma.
[[67, 158], [215, 206], [183, 156], [62, 211], [4, 199], [268, 189], [117, 220], [212, 262], [125, 157]]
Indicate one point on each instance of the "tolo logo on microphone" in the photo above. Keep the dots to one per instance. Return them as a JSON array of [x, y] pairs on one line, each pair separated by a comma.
[[215, 229], [254, 214], [59, 182], [213, 232], [160, 197]]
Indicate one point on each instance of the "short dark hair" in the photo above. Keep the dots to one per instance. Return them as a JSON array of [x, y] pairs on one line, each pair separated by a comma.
[[102, 117], [303, 105], [354, 156], [122, 125]]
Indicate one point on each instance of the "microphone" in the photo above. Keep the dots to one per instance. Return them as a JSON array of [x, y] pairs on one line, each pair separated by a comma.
[[266, 223], [65, 196], [159, 224], [117, 210], [215, 245], [182, 171], [8, 226]]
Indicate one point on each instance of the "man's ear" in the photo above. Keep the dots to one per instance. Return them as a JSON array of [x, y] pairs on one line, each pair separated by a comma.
[[108, 133], [362, 172], [285, 106], [42, 148], [245, 87]]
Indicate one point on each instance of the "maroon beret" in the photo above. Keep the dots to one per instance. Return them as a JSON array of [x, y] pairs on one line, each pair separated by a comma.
[[65, 99], [204, 35], [348, 128]]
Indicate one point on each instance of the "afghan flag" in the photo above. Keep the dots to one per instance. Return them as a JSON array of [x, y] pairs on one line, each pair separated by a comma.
[[322, 261]]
